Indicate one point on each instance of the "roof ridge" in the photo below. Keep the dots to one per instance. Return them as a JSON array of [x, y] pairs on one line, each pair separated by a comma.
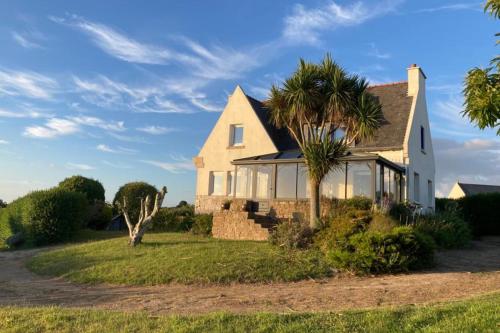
[[387, 84]]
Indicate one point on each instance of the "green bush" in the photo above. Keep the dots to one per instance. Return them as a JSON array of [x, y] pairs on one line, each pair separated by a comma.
[[443, 204], [382, 223], [202, 224], [291, 235], [175, 219], [481, 212], [44, 217], [400, 250], [91, 188], [447, 229], [99, 215], [134, 192]]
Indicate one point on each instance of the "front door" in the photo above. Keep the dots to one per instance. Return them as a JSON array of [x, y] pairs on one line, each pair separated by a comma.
[[263, 186]]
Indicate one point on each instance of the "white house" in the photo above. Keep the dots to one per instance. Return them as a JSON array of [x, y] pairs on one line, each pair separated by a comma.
[[460, 190], [246, 157]]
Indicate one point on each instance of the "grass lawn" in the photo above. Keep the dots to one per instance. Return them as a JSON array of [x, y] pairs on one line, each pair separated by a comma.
[[178, 257], [476, 315]]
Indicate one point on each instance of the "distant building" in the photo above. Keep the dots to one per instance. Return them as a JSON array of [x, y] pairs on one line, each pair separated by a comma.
[[460, 190]]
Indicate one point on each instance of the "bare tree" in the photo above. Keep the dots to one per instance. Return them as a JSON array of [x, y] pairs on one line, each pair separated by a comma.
[[136, 232]]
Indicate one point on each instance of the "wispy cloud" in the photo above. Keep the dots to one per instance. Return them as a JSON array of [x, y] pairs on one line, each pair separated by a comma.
[[115, 126], [375, 52], [179, 165], [156, 130], [117, 150], [4, 142], [26, 113], [79, 166], [53, 128], [117, 165], [127, 138], [453, 7], [26, 83], [306, 24], [117, 44], [24, 40]]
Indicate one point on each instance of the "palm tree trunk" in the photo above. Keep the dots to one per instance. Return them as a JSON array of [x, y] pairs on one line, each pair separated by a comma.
[[314, 204]]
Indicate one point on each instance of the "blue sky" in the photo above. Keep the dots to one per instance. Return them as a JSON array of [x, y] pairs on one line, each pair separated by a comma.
[[123, 91]]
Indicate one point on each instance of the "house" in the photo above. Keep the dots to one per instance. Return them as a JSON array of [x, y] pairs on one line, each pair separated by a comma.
[[245, 157], [460, 190]]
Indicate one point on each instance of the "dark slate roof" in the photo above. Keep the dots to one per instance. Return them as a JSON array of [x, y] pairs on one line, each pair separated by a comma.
[[281, 138], [471, 189], [396, 106]]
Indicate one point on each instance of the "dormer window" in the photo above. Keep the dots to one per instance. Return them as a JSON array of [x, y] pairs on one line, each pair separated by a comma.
[[236, 138]]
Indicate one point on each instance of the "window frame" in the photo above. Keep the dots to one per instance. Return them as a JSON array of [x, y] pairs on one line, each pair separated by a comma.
[[211, 183], [232, 135]]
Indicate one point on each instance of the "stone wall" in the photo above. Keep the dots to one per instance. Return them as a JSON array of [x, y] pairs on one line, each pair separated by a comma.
[[239, 225]]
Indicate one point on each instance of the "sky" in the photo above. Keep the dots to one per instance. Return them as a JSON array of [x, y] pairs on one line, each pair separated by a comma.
[[124, 91]]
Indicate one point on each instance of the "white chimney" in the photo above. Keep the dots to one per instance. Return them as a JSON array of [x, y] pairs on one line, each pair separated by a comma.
[[416, 80]]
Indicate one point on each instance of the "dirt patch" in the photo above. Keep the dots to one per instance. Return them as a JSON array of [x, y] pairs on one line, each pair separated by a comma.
[[459, 274]]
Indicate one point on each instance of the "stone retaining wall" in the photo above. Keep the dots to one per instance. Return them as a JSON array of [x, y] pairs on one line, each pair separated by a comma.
[[239, 225]]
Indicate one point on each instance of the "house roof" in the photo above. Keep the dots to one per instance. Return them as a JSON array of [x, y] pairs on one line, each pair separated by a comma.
[[471, 189], [396, 106]]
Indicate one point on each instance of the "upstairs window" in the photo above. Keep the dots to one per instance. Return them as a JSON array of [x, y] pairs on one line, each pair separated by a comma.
[[422, 138], [236, 135]]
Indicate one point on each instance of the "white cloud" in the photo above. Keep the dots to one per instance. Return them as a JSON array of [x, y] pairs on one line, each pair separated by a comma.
[[117, 165], [127, 138], [23, 40], [375, 52], [178, 166], [156, 130], [4, 142], [458, 6], [305, 25], [117, 44], [118, 150], [117, 126], [79, 166], [28, 84], [22, 114], [53, 128]]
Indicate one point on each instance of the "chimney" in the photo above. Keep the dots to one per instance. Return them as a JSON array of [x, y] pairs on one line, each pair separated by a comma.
[[416, 80]]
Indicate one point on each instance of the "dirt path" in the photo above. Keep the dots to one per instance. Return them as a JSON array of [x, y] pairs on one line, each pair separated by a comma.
[[459, 274]]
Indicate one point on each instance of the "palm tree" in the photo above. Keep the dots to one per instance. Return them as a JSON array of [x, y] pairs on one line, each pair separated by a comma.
[[315, 104]]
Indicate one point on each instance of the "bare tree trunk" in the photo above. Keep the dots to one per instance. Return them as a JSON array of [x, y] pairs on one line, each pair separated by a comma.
[[314, 208], [136, 232]]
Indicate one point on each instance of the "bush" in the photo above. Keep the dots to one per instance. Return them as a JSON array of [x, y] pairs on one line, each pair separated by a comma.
[[443, 204], [176, 219], [481, 212], [291, 235], [382, 223], [99, 215], [400, 250], [447, 229], [134, 192], [91, 188], [202, 224], [44, 217]]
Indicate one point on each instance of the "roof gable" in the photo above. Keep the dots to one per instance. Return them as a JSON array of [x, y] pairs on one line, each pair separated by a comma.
[[472, 189]]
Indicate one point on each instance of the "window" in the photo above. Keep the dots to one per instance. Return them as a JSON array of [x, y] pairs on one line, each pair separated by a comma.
[[333, 185], [422, 138], [303, 189], [236, 135], [359, 179], [429, 193], [378, 184], [216, 183], [286, 181], [230, 184], [416, 187], [244, 182], [264, 175]]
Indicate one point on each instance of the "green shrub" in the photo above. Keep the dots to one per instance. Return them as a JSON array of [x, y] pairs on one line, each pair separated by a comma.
[[202, 224], [382, 223], [337, 231], [443, 204], [481, 212], [134, 192], [339, 207], [403, 212], [400, 250], [44, 217], [447, 229], [99, 215], [176, 219], [91, 188], [291, 235]]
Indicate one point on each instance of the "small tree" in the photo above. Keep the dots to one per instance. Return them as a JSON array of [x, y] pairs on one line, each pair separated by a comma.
[[482, 87], [315, 104], [136, 232], [3, 204], [133, 192]]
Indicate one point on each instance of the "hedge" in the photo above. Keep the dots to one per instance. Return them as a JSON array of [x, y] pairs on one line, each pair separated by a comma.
[[481, 211], [93, 189]]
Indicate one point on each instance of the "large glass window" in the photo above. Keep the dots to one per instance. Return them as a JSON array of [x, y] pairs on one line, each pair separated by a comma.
[[359, 179], [333, 185], [264, 174], [236, 135], [378, 184], [303, 189], [216, 184], [244, 182], [286, 181]]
